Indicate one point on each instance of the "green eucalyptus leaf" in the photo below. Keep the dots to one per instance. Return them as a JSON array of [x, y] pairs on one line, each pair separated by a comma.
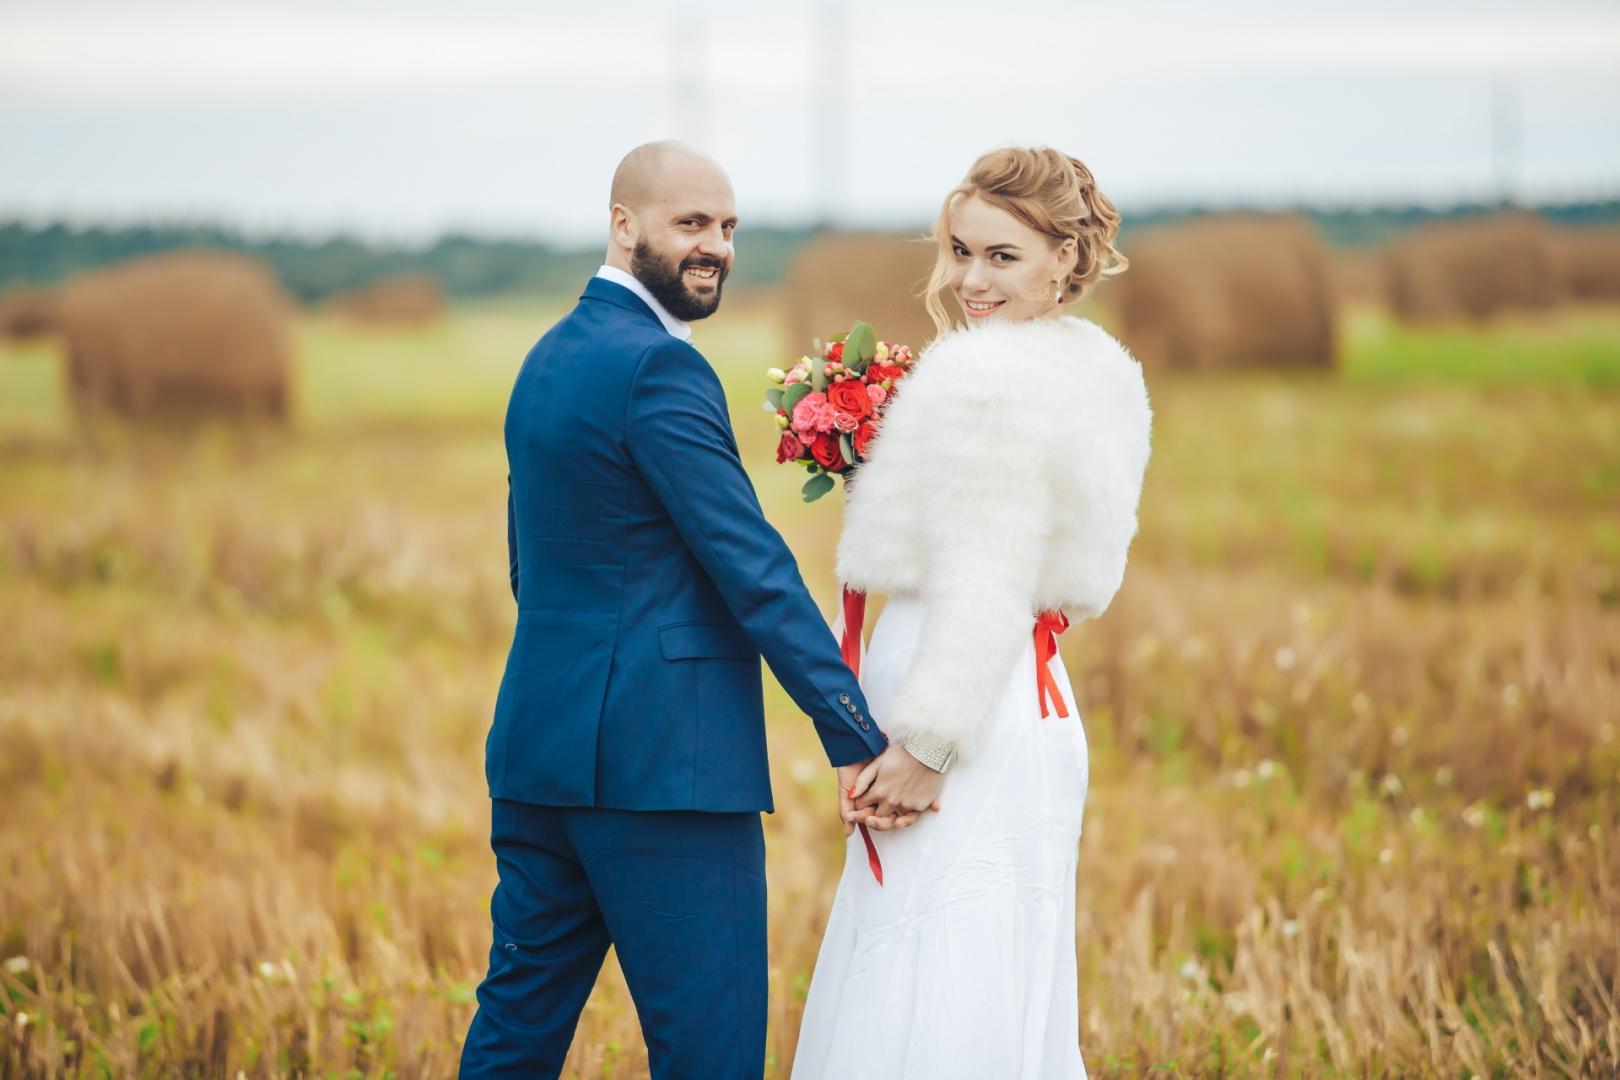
[[862, 342], [817, 486], [847, 446], [836, 337], [818, 375], [773, 397], [793, 395]]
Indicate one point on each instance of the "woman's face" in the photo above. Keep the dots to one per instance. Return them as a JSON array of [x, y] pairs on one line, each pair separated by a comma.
[[1002, 268]]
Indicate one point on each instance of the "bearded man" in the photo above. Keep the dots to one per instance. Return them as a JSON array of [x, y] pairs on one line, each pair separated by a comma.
[[626, 763]]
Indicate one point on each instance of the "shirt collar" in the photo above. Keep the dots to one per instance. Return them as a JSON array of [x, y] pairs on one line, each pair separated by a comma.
[[629, 281]]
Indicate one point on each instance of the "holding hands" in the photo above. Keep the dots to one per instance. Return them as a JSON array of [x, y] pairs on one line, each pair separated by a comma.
[[887, 792]]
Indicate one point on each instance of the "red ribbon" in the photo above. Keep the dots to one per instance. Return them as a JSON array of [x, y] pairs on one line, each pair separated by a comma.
[[854, 602], [1047, 627]]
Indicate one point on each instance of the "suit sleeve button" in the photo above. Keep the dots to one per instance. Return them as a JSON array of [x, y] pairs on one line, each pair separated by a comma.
[[865, 726], [843, 699]]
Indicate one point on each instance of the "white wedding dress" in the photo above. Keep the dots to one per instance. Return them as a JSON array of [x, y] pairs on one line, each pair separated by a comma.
[[962, 963]]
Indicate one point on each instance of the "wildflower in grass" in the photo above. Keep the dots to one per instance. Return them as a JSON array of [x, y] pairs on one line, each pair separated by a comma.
[[1443, 775], [1474, 816], [267, 970], [1400, 736], [1241, 778], [1191, 971], [1416, 816], [1386, 856], [1361, 705], [1290, 929], [1510, 695], [1266, 769], [1540, 799], [1392, 784], [1284, 658]]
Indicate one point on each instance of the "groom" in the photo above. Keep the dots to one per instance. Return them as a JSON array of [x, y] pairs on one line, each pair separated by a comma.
[[627, 762]]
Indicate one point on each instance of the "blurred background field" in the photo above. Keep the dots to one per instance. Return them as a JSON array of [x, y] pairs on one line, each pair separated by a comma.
[[1353, 716]]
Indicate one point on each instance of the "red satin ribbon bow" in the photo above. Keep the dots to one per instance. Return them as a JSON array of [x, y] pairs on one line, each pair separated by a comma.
[[854, 603], [1047, 627]]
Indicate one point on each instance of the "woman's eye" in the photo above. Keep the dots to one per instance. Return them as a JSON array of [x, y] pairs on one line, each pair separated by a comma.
[[960, 252], [1002, 256]]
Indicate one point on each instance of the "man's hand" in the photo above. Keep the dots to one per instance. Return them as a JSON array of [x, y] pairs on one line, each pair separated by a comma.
[[893, 789], [848, 775]]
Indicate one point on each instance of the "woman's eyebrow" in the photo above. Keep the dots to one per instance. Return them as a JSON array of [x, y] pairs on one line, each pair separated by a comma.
[[1003, 247]]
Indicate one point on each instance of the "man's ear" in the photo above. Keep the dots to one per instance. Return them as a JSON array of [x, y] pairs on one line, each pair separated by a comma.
[[623, 226]]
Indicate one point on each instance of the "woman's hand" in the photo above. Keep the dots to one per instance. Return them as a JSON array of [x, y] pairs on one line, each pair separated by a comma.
[[893, 790]]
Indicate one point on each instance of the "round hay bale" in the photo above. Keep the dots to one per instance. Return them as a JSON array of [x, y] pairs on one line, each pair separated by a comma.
[[27, 313], [1590, 260], [1474, 269], [1228, 290], [178, 336], [406, 300], [1361, 277], [840, 277]]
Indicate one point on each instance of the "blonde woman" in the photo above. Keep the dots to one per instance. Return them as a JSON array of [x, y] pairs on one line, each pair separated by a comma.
[[1001, 496]]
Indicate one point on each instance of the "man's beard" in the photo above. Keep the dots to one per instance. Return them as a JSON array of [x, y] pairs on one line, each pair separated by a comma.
[[667, 281]]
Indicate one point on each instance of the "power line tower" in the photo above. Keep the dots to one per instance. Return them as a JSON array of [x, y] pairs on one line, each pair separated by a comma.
[[831, 110], [688, 89], [1507, 138]]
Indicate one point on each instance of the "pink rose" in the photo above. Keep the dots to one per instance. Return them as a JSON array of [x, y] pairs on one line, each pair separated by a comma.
[[807, 413], [826, 415], [845, 422], [877, 394]]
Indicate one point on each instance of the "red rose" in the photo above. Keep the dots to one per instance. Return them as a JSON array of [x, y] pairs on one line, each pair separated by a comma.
[[877, 373], [789, 449], [828, 454], [835, 351], [850, 397], [863, 438]]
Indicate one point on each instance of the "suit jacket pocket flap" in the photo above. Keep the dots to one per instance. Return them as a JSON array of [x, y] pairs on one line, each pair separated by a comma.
[[690, 641]]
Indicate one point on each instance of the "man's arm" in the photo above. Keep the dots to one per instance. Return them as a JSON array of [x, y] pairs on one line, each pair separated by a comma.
[[681, 439]]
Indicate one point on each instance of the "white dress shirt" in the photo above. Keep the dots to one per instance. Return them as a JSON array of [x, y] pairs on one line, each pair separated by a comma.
[[671, 323]]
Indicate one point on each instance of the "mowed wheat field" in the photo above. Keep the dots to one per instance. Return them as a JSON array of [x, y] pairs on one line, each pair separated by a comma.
[[1353, 719]]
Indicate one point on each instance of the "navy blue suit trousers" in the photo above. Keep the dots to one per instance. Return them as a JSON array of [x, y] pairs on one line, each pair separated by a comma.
[[679, 893]]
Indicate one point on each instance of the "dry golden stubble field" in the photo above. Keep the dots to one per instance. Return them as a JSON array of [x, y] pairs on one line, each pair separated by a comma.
[[1353, 720]]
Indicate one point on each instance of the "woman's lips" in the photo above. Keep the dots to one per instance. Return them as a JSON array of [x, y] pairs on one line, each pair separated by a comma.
[[979, 309]]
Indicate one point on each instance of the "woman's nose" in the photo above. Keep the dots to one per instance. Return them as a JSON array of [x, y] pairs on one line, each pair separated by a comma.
[[976, 278]]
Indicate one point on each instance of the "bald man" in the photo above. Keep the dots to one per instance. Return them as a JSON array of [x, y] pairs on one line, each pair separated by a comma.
[[626, 763]]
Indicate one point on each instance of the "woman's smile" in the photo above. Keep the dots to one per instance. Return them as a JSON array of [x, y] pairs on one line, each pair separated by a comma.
[[979, 309]]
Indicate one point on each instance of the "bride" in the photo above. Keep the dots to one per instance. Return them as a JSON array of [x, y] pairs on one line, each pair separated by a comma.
[[999, 497]]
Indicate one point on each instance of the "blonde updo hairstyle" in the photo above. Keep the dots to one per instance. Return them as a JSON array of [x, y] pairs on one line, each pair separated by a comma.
[[1049, 191]]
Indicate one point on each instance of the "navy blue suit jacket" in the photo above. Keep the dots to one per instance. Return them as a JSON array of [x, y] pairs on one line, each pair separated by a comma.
[[648, 585]]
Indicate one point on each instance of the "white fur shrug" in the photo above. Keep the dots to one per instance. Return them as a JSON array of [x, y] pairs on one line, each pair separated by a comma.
[[1004, 483]]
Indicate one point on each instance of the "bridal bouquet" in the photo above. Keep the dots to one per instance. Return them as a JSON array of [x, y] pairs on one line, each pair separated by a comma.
[[828, 407]]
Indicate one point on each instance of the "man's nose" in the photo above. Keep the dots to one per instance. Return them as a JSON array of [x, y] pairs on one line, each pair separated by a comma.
[[715, 245]]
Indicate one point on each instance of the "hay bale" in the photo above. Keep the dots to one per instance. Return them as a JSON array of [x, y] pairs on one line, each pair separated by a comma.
[[1227, 290], [1361, 277], [1590, 263], [181, 335], [840, 277], [1474, 269], [406, 300], [27, 313]]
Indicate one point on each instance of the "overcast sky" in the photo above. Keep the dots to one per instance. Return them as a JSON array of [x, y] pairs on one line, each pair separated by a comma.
[[401, 120]]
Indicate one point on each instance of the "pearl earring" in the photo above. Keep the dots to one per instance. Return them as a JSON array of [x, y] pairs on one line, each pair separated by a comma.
[[1059, 298]]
